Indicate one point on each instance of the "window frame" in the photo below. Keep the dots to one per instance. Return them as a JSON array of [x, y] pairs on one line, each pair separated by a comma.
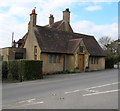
[[93, 60], [54, 58], [35, 52], [81, 49]]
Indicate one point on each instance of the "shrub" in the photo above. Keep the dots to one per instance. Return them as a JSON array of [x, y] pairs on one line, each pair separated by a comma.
[[30, 69], [13, 70], [22, 70], [4, 70], [110, 61]]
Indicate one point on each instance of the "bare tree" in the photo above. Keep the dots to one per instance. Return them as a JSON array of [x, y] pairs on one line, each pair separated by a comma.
[[104, 41]]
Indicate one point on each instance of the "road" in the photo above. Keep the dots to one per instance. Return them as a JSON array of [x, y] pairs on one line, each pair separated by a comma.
[[86, 90]]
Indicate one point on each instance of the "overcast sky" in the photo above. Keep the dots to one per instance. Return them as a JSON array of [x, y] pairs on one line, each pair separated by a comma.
[[96, 17]]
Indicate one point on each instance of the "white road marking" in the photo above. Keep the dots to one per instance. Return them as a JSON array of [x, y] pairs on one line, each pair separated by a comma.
[[30, 100], [41, 102], [103, 85], [92, 91], [91, 88], [72, 91], [104, 92]]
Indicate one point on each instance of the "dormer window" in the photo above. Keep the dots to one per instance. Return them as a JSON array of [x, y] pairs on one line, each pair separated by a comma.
[[81, 49]]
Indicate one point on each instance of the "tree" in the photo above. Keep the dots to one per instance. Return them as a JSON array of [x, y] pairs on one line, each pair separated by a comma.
[[111, 49], [104, 41]]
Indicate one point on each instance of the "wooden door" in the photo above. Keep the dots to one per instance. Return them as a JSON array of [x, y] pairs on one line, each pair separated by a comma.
[[81, 61]]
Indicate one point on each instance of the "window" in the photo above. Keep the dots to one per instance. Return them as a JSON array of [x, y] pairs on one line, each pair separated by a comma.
[[35, 49], [93, 60], [35, 52], [58, 59], [18, 55], [53, 58], [81, 49], [96, 60], [49, 58]]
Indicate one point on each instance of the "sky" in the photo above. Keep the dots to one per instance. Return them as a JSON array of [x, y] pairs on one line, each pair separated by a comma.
[[92, 17]]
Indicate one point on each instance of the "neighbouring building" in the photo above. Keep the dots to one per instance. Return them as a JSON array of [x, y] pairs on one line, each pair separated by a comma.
[[57, 45]]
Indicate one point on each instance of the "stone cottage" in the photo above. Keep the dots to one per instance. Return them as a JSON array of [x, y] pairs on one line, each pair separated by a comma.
[[58, 46]]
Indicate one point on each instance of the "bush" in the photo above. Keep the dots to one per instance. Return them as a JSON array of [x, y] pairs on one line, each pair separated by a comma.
[[30, 69], [4, 70], [13, 70], [22, 70], [110, 61]]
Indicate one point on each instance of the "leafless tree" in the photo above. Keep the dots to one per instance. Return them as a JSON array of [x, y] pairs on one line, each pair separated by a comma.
[[104, 41]]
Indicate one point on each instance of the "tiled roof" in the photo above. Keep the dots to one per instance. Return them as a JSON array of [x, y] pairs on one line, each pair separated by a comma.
[[55, 25], [21, 42], [54, 41]]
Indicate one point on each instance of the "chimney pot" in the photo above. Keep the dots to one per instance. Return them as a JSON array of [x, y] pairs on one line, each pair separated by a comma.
[[67, 9], [51, 15], [33, 19], [51, 19], [33, 11]]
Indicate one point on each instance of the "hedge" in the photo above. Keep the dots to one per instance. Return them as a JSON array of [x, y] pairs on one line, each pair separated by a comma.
[[13, 70], [4, 70], [30, 69], [22, 70]]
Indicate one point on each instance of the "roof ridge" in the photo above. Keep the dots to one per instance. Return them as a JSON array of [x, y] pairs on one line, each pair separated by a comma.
[[83, 34], [52, 23]]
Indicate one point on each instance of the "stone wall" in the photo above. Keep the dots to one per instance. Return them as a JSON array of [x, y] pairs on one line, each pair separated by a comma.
[[99, 66], [30, 43], [8, 53]]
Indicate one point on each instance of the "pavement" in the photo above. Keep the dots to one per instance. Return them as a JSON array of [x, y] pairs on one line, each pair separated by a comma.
[[86, 90]]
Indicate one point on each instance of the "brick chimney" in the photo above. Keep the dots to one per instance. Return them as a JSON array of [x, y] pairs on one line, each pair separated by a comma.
[[66, 15], [51, 19], [33, 19]]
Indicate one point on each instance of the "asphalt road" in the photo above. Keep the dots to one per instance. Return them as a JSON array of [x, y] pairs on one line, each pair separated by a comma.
[[90, 90]]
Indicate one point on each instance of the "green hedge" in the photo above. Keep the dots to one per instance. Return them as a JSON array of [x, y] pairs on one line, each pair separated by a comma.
[[22, 70], [30, 69], [4, 70], [13, 70]]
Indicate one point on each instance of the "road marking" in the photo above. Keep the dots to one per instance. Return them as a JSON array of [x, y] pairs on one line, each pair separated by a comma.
[[72, 91], [29, 100], [91, 88], [104, 92], [92, 91], [41, 102], [16, 106], [103, 85]]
